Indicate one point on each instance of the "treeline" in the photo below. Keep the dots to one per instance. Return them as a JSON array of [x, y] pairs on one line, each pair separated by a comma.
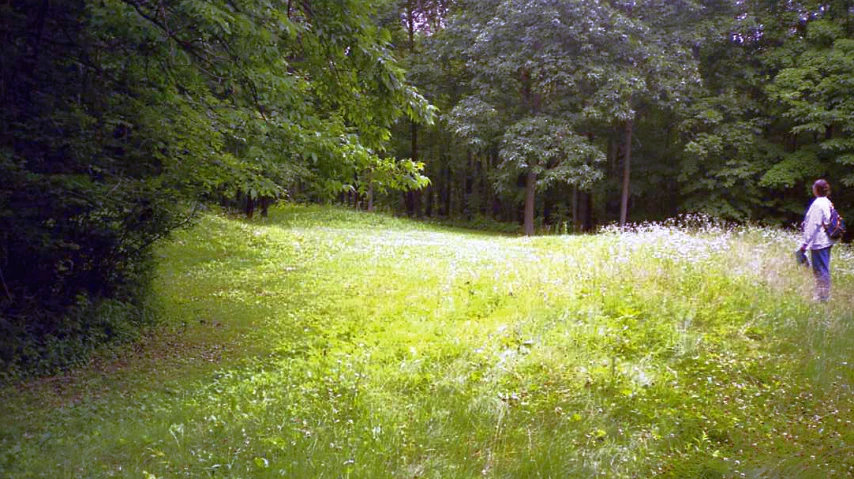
[[568, 114]]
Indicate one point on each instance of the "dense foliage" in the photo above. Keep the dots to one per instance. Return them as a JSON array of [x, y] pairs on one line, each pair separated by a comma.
[[117, 115], [723, 107]]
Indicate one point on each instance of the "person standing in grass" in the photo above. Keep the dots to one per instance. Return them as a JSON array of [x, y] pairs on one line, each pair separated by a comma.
[[816, 240]]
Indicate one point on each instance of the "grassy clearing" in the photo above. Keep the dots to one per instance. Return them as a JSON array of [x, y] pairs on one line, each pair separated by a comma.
[[331, 343]]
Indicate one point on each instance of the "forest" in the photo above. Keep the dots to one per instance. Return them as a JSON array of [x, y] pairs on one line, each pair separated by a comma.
[[423, 238], [121, 120]]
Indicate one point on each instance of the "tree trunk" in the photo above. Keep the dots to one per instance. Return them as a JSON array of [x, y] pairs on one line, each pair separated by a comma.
[[468, 187], [486, 192], [547, 212], [587, 214], [370, 191], [407, 202], [416, 194], [462, 175], [428, 206], [357, 198], [447, 191], [627, 169], [530, 196]]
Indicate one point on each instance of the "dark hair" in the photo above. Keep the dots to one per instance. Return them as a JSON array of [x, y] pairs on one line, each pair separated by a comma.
[[822, 187]]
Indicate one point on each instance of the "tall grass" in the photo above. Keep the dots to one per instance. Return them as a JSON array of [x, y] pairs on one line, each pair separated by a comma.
[[332, 343]]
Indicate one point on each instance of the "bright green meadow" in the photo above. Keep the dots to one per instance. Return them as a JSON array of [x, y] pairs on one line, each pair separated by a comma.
[[328, 343]]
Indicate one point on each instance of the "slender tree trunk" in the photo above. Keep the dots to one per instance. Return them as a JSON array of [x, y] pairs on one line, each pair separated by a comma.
[[370, 191], [406, 197], [576, 220], [468, 186], [462, 176], [627, 169], [533, 100], [587, 211], [484, 186], [357, 198], [250, 206], [530, 196], [547, 212], [449, 191], [415, 195]]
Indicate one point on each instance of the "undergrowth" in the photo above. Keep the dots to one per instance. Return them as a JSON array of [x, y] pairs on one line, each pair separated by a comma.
[[331, 343]]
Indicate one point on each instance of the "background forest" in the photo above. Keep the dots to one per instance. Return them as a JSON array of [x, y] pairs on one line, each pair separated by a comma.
[[584, 113], [120, 119]]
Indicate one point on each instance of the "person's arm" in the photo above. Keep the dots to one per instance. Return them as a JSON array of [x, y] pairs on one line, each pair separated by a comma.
[[812, 223]]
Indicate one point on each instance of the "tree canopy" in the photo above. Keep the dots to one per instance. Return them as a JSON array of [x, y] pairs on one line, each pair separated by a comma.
[[117, 114], [722, 107]]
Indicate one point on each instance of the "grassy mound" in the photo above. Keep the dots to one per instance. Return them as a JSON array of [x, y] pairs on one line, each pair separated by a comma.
[[332, 343]]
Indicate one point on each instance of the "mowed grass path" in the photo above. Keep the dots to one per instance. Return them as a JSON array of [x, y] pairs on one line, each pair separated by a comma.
[[325, 343]]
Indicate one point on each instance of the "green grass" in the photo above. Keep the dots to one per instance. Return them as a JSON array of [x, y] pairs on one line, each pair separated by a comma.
[[328, 343]]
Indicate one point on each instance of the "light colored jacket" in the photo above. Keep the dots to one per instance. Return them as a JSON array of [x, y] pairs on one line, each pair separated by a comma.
[[815, 236]]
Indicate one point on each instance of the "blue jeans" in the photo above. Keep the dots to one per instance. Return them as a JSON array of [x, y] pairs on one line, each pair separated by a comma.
[[820, 259]]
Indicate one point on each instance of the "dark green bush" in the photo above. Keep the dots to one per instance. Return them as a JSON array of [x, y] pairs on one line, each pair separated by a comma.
[[82, 197]]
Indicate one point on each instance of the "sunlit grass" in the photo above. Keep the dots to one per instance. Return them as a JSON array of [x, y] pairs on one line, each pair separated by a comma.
[[330, 343]]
